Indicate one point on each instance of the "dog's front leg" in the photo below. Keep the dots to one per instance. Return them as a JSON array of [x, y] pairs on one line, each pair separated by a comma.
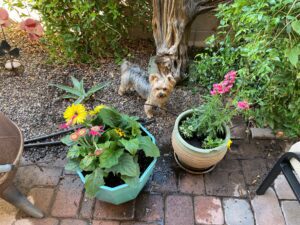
[[148, 109]]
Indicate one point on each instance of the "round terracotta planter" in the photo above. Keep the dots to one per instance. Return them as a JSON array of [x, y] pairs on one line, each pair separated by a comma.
[[194, 158]]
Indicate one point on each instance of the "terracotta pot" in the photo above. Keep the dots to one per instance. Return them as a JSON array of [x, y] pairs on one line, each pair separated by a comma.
[[194, 158]]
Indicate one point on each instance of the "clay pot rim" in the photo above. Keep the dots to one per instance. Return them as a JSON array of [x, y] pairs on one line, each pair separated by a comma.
[[193, 148]]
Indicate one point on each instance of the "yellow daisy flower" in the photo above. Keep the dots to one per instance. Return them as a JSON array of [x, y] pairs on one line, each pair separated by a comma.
[[76, 114], [97, 109], [120, 132], [229, 144]]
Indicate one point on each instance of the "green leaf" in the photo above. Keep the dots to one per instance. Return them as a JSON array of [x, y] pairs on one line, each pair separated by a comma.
[[74, 152], [67, 140], [67, 89], [79, 100], [110, 117], [150, 149], [93, 181], [131, 145], [126, 166], [131, 181], [296, 26], [97, 88], [130, 122], [72, 164], [110, 157], [67, 96], [77, 85], [292, 55], [87, 163]]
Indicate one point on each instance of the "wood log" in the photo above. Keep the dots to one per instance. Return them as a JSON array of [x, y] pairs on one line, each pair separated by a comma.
[[171, 25]]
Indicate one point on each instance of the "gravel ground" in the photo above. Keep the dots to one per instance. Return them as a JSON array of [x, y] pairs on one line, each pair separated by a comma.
[[37, 108]]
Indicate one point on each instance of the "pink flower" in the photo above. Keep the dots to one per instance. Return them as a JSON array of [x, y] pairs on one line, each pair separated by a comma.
[[33, 28], [213, 92], [63, 126], [226, 89], [4, 18], [97, 130], [81, 132], [225, 85], [243, 105], [231, 74]]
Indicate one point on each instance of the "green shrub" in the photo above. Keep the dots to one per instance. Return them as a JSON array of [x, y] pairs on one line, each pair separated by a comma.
[[261, 40], [87, 29]]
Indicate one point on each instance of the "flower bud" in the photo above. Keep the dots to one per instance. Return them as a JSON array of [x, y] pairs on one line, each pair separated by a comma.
[[74, 137], [98, 151]]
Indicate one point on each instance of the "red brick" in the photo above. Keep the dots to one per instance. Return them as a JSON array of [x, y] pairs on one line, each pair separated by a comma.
[[191, 184], [138, 223], [266, 209], [31, 221], [104, 210], [41, 198], [73, 222], [68, 197], [30, 176], [149, 208], [208, 210], [179, 210], [8, 213], [105, 222], [87, 206], [283, 189], [291, 211]]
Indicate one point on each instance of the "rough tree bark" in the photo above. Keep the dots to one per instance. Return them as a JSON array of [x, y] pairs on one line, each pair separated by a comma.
[[171, 25]]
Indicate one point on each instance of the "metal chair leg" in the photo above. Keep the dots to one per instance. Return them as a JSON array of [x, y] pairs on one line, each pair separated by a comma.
[[12, 195], [269, 179], [291, 178], [282, 165]]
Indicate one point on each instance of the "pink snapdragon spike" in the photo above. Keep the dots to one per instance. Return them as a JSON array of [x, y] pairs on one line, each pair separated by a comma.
[[4, 18], [97, 130], [225, 85], [63, 126], [244, 105], [33, 28], [67, 124]]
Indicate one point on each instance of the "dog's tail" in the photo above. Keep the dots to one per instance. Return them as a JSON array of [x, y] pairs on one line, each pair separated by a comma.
[[124, 66]]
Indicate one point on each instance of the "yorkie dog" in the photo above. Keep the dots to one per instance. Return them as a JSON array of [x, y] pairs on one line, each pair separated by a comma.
[[155, 89]]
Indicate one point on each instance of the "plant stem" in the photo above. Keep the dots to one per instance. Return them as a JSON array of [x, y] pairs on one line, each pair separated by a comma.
[[3, 33]]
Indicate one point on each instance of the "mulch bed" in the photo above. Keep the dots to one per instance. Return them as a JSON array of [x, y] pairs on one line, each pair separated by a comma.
[[37, 108]]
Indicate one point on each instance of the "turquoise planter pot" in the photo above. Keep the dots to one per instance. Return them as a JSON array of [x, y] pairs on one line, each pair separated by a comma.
[[124, 193]]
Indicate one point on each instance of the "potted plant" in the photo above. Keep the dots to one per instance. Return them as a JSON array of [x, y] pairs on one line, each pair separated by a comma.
[[113, 154], [201, 136]]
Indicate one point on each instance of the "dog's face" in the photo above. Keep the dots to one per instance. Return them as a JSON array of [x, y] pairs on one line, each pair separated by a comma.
[[161, 86]]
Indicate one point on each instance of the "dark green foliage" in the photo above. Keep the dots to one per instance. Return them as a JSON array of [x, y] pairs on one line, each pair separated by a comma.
[[117, 153], [208, 121], [261, 40], [87, 29]]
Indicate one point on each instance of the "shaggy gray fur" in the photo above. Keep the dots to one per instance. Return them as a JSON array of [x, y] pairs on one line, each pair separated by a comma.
[[136, 78]]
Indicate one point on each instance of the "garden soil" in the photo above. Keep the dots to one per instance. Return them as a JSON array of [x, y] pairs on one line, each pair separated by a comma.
[[37, 108]]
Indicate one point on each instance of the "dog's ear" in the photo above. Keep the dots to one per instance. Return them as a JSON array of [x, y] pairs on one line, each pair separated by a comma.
[[153, 78], [171, 80]]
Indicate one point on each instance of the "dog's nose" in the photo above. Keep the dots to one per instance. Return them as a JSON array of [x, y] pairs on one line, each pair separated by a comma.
[[161, 95]]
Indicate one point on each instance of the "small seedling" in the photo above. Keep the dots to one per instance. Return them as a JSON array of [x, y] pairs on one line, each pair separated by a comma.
[[78, 92]]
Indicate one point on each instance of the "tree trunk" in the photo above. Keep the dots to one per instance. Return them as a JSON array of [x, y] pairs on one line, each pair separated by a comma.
[[171, 25]]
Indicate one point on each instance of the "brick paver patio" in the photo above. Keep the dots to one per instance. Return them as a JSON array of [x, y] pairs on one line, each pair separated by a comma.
[[171, 197]]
